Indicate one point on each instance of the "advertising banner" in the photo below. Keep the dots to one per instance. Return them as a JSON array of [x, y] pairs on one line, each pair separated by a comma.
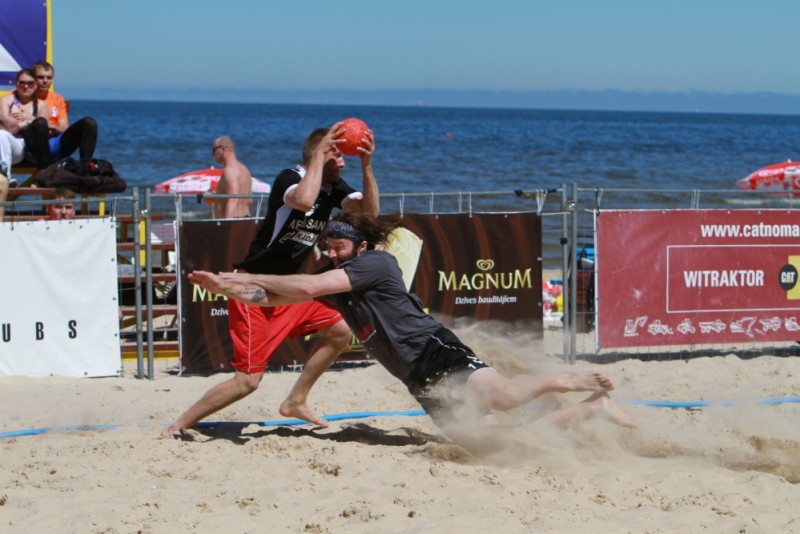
[[213, 246], [24, 37], [683, 277], [484, 266], [59, 313], [475, 267]]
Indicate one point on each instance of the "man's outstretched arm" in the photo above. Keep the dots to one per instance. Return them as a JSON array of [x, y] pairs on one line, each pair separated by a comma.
[[237, 287], [298, 287], [271, 289]]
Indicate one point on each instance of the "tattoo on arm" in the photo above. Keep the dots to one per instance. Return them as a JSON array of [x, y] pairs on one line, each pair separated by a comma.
[[253, 293]]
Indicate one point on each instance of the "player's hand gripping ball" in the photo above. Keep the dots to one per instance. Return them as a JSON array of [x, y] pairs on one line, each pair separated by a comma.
[[356, 130]]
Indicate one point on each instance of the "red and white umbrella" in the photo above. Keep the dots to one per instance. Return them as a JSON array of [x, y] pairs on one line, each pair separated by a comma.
[[783, 176], [201, 181]]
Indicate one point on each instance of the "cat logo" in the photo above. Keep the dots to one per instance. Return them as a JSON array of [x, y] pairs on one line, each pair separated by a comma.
[[788, 278]]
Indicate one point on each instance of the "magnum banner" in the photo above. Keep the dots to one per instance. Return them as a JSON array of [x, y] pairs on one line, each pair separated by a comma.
[[479, 266], [473, 267], [683, 277]]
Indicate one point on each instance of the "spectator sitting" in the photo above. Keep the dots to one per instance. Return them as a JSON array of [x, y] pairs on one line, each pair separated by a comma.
[[19, 109], [54, 138], [12, 150], [3, 194], [65, 210]]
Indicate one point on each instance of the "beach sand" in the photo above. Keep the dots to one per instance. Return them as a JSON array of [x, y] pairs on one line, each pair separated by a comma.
[[720, 468]]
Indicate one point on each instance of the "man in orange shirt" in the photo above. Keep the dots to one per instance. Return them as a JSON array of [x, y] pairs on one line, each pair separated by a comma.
[[56, 105], [65, 209], [64, 139]]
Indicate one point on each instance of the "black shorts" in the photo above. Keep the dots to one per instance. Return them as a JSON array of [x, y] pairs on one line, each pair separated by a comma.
[[444, 360]]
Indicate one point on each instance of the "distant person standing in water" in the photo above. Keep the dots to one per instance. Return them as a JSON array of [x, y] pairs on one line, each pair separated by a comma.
[[235, 180]]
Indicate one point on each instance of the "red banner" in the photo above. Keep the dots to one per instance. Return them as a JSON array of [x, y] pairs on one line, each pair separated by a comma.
[[685, 277], [475, 267]]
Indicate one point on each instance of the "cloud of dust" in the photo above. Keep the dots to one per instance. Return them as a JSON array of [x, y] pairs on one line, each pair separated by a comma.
[[509, 349], [743, 436]]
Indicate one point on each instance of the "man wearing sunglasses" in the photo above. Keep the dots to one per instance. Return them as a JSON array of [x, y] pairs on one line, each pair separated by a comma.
[[235, 180], [56, 105]]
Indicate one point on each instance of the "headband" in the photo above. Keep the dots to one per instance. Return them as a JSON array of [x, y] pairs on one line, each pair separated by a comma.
[[339, 229]]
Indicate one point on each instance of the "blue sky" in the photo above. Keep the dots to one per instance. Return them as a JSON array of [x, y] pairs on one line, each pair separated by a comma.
[[183, 46]]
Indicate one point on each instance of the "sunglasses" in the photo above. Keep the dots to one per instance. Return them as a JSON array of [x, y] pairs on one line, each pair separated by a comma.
[[24, 83], [214, 149]]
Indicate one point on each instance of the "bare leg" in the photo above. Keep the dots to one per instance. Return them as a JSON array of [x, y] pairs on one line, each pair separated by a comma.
[[502, 393], [334, 340], [597, 404], [3, 194], [215, 399]]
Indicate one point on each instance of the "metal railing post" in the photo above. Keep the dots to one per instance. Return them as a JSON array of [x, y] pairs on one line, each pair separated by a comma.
[[565, 284], [137, 282], [149, 284], [573, 285]]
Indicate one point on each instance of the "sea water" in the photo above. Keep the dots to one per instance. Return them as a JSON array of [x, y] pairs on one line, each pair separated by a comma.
[[422, 149]]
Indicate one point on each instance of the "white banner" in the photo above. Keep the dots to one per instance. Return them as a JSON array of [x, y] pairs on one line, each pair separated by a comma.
[[58, 299]]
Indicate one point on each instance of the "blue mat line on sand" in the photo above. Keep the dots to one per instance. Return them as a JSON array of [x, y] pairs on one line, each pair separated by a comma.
[[362, 415]]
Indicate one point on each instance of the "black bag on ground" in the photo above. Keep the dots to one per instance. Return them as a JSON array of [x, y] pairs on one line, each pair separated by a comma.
[[98, 177]]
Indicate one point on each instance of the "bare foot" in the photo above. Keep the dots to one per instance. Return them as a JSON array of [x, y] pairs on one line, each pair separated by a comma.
[[612, 412], [597, 404], [583, 381], [300, 410]]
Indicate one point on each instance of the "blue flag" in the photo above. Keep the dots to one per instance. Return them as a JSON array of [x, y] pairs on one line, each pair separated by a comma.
[[23, 36]]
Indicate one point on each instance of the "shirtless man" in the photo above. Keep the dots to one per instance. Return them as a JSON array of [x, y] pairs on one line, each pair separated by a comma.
[[236, 180], [366, 286]]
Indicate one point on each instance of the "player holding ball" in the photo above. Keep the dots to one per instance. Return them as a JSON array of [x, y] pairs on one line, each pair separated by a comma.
[[355, 133], [300, 205]]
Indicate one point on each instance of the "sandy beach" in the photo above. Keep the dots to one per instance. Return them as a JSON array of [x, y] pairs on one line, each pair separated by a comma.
[[732, 466]]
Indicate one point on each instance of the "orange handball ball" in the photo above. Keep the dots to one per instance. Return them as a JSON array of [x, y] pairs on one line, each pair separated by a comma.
[[356, 130]]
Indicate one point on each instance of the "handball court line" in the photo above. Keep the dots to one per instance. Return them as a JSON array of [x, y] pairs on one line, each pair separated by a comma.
[[362, 415]]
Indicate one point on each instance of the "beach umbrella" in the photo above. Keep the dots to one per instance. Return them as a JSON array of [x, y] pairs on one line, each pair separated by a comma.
[[784, 176], [201, 181]]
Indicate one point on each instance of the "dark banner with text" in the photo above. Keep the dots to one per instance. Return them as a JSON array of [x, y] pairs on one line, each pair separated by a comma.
[[480, 266], [685, 277], [205, 340], [475, 267]]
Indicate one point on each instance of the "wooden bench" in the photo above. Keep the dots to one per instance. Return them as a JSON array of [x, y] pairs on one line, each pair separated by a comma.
[[15, 192]]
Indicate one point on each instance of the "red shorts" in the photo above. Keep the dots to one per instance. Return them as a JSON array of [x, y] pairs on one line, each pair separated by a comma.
[[257, 331]]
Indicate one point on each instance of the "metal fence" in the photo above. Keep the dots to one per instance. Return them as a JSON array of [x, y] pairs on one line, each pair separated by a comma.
[[568, 230]]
